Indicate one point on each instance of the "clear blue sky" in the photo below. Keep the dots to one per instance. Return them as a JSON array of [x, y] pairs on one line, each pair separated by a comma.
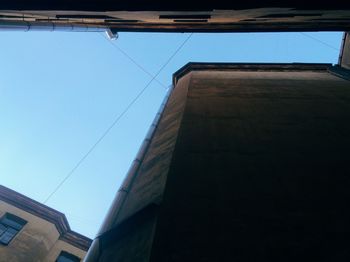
[[60, 91]]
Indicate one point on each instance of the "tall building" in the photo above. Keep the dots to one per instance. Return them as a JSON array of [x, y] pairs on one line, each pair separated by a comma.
[[247, 162], [33, 232]]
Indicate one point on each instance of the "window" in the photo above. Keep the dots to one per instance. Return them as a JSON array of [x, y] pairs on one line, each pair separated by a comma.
[[66, 257], [10, 225]]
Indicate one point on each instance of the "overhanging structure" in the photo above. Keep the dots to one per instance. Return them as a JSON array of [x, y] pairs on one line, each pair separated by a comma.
[[184, 16]]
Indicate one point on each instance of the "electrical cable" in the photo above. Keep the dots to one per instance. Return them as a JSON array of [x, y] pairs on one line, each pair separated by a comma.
[[320, 41], [116, 120], [131, 59]]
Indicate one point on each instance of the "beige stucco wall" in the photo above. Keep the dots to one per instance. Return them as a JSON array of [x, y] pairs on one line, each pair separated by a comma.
[[38, 241], [61, 245]]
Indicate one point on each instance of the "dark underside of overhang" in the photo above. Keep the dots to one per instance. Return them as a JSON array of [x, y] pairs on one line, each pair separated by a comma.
[[185, 16], [161, 5]]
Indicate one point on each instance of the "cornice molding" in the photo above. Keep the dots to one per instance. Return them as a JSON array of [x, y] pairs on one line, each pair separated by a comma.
[[276, 67], [49, 214]]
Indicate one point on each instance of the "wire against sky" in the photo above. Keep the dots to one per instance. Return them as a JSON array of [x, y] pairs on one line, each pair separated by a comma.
[[320, 41], [116, 120], [131, 59]]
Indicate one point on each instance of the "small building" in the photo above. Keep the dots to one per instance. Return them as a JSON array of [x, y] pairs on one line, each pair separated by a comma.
[[33, 232]]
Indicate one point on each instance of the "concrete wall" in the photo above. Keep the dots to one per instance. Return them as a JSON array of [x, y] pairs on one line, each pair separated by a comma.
[[38, 241], [132, 240], [149, 185], [248, 163], [260, 170]]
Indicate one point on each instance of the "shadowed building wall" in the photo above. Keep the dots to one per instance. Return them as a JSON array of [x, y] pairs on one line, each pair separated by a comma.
[[249, 162]]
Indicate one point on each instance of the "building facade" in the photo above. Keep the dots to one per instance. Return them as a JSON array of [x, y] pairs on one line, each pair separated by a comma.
[[33, 232], [179, 16], [246, 162]]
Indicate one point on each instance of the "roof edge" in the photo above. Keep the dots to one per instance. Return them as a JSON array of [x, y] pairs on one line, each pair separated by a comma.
[[198, 66], [47, 213]]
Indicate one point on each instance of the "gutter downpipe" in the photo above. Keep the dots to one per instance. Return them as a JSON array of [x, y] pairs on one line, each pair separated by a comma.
[[50, 26], [93, 253]]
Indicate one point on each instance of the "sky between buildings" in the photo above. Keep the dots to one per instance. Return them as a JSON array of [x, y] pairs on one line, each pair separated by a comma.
[[59, 92]]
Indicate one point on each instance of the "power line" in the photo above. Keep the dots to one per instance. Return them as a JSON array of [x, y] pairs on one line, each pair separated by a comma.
[[131, 59], [116, 120], [320, 41]]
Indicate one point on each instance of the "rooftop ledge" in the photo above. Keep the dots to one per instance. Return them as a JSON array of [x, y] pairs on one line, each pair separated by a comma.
[[194, 66]]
